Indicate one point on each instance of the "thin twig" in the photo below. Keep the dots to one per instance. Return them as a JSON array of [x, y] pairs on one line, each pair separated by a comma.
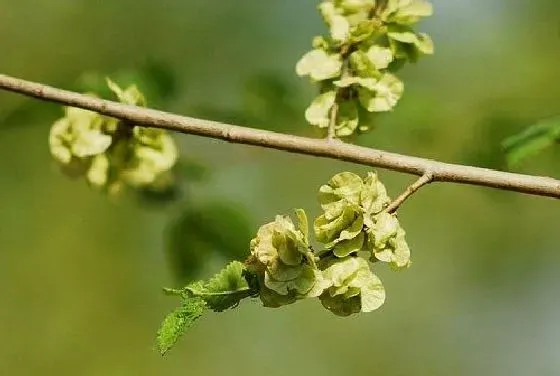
[[442, 172], [427, 178], [332, 123]]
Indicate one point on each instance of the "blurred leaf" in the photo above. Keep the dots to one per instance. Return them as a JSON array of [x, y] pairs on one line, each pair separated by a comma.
[[531, 141], [29, 112], [175, 324], [200, 232], [191, 170], [156, 198], [225, 289]]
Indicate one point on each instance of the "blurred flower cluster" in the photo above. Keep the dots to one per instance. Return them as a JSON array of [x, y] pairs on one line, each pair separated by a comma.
[[113, 154], [369, 40]]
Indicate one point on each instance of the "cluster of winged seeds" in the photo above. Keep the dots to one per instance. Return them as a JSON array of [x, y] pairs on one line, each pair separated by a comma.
[[355, 231], [110, 153], [354, 65]]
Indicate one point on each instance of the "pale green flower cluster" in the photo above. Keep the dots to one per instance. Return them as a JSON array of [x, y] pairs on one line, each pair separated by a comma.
[[112, 154], [354, 228], [354, 65]]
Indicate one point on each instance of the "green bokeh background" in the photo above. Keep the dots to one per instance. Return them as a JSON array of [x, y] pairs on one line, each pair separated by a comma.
[[80, 275]]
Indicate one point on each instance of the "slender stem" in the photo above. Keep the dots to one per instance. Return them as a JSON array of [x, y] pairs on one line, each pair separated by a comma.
[[442, 172], [332, 122], [427, 178]]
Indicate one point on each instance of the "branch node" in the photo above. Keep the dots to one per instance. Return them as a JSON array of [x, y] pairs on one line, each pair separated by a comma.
[[425, 179]]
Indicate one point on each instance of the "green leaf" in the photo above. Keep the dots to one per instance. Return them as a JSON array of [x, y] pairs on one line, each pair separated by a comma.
[[214, 229], [226, 289], [532, 140], [177, 322]]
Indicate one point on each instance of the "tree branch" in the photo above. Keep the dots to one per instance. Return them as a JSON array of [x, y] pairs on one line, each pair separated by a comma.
[[422, 180], [443, 172]]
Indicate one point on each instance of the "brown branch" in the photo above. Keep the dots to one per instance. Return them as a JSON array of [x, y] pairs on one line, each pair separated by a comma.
[[443, 172], [427, 178]]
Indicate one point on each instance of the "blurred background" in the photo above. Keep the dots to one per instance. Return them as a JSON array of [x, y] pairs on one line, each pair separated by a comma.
[[81, 274]]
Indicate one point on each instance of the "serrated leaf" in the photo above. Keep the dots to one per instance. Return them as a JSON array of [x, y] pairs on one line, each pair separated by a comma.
[[532, 140], [225, 289], [177, 322]]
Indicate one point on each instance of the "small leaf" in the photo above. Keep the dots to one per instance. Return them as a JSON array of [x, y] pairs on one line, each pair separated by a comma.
[[177, 322], [226, 289], [532, 141]]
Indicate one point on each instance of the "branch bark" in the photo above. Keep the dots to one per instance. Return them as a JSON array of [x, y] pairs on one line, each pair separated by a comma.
[[427, 178], [440, 171]]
